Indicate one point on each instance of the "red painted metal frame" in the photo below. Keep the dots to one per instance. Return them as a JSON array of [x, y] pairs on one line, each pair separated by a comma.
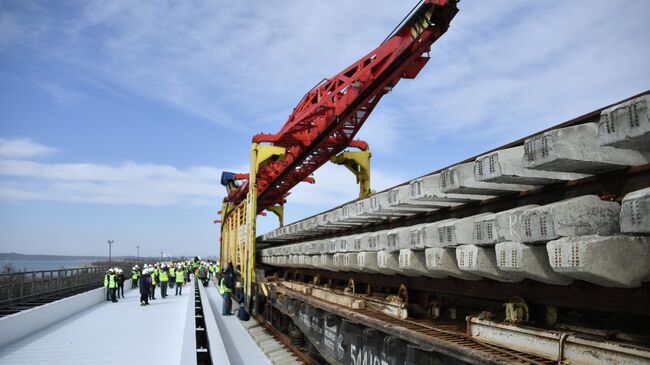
[[329, 116]]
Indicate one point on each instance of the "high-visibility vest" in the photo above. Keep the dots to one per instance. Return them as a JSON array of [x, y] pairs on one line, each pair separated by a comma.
[[172, 272], [154, 276], [112, 281], [180, 276], [106, 280], [163, 276], [223, 288], [134, 275]]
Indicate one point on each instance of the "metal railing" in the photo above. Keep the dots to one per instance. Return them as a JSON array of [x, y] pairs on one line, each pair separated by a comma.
[[23, 286]]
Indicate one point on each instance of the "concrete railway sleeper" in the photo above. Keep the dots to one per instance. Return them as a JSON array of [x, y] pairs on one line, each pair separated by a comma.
[[543, 244]]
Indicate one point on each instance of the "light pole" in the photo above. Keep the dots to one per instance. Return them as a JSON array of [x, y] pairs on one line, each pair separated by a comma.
[[161, 257], [138, 247], [110, 243]]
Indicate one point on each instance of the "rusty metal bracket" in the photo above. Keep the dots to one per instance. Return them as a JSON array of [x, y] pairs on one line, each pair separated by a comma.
[[350, 288], [403, 293]]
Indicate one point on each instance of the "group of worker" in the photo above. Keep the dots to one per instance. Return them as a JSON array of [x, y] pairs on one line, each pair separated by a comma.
[[174, 275], [114, 284], [166, 275]]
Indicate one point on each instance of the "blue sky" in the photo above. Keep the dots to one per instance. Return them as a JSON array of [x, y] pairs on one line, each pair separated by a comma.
[[117, 118]]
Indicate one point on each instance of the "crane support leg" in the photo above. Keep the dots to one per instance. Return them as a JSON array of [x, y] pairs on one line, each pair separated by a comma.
[[278, 210], [259, 155], [358, 162]]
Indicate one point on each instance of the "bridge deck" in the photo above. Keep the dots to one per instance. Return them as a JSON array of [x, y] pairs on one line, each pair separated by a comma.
[[127, 333], [110, 333]]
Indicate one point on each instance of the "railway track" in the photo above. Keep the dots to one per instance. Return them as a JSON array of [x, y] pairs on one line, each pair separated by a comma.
[[448, 336]]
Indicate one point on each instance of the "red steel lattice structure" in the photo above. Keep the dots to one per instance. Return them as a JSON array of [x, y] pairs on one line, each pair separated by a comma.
[[329, 116]]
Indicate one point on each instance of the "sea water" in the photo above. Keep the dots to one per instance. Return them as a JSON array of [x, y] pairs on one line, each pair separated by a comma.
[[37, 265]]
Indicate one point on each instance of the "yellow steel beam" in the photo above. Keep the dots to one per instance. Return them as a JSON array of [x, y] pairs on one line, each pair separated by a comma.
[[278, 210], [358, 162]]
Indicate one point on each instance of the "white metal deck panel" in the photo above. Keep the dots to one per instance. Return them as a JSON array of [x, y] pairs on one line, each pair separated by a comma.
[[110, 333]]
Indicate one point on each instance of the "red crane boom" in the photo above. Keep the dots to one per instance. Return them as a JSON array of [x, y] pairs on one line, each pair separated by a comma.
[[329, 116]]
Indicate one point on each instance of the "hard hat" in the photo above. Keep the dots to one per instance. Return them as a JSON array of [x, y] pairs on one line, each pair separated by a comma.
[[137, 267], [110, 270]]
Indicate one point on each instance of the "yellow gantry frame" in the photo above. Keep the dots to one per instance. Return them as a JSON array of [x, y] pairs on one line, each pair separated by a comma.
[[238, 229], [358, 162], [278, 210]]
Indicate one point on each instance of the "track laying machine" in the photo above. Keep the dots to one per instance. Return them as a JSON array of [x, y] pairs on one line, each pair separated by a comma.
[[537, 252]]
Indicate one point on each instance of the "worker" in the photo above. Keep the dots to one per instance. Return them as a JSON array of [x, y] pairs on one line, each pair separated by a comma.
[[145, 287], [210, 270], [163, 276], [135, 276], [112, 284], [227, 284], [179, 277], [120, 283], [153, 272], [202, 272], [196, 263], [108, 291], [172, 275], [188, 270]]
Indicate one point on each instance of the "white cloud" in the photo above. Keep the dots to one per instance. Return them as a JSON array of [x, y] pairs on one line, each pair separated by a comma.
[[127, 183], [527, 66], [205, 57], [503, 69], [245, 66], [23, 148]]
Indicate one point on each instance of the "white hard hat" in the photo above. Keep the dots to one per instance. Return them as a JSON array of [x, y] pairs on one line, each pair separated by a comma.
[[110, 270]]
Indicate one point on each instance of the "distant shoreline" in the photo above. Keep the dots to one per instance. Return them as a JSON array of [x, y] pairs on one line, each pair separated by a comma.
[[13, 256]]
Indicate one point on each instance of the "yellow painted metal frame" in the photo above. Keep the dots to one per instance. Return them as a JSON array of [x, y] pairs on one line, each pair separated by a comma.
[[238, 230], [358, 162], [278, 210]]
